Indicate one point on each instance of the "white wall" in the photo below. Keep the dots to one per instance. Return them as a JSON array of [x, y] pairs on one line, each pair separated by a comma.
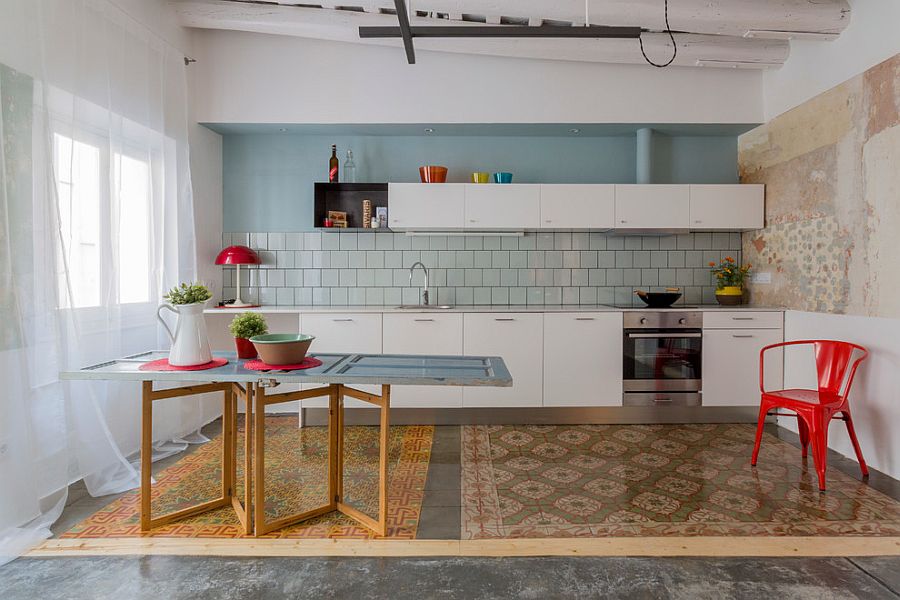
[[875, 396], [206, 180], [250, 77], [814, 67]]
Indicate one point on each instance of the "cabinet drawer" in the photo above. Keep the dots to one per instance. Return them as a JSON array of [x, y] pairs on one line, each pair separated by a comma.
[[424, 333], [518, 339], [744, 319]]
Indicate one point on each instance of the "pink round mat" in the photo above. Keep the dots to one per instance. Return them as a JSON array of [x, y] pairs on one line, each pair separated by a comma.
[[163, 365], [257, 365]]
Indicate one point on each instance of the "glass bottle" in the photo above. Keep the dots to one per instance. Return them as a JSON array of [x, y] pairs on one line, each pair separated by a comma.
[[333, 165], [349, 168]]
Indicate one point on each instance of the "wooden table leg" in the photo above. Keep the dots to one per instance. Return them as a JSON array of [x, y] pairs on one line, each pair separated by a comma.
[[383, 458], [259, 458], [228, 467], [146, 452], [248, 458]]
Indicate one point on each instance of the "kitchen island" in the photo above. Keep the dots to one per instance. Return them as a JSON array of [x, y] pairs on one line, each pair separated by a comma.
[[339, 376]]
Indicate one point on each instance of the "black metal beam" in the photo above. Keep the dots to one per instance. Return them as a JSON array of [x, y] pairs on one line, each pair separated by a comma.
[[403, 31], [491, 31]]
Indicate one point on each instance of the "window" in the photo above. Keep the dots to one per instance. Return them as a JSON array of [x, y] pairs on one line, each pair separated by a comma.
[[104, 212]]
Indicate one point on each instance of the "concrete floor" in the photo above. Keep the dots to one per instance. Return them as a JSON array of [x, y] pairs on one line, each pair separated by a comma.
[[198, 578], [173, 578]]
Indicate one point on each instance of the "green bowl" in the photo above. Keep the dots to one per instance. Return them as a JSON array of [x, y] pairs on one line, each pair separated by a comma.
[[282, 348]]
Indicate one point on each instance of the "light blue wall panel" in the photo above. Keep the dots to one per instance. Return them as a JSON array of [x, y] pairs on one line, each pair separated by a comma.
[[268, 178]]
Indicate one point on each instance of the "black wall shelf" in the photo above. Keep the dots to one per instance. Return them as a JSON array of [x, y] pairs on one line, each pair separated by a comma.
[[347, 197]]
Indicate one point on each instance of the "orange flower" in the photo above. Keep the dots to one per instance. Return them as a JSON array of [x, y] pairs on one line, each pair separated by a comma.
[[712, 264], [729, 259]]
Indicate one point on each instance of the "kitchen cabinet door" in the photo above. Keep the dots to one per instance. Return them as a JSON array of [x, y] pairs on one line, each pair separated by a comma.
[[517, 338], [424, 333], [503, 206], [653, 206], [731, 365], [583, 359], [426, 206], [345, 333], [727, 207], [577, 206]]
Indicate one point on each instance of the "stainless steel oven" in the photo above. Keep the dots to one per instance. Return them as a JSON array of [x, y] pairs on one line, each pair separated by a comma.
[[662, 363]]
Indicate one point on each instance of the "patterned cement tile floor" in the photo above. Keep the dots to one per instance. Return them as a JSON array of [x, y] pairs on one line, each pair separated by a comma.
[[216, 578], [296, 481], [646, 480], [442, 496]]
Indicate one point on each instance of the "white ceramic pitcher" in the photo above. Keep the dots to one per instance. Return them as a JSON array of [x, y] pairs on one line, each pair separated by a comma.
[[190, 344]]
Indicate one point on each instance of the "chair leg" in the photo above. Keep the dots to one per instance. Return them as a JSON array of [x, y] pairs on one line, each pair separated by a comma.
[[859, 456], [803, 430], [818, 433], [760, 424]]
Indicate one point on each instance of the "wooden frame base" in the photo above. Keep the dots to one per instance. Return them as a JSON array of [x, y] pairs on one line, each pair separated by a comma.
[[251, 511]]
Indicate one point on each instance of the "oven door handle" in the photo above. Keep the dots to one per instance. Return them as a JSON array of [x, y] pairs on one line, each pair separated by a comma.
[[664, 335]]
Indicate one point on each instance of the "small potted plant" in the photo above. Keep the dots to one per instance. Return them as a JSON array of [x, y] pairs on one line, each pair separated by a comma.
[[243, 327], [730, 281]]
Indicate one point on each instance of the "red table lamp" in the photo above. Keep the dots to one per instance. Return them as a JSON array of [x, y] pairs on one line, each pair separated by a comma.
[[237, 256]]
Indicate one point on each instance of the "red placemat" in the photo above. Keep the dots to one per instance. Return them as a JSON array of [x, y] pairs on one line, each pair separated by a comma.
[[163, 365], [257, 365]]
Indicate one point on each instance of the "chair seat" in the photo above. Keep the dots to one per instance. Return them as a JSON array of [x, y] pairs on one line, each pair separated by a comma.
[[802, 397]]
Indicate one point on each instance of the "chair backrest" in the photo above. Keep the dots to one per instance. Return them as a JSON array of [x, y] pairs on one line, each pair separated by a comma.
[[836, 365]]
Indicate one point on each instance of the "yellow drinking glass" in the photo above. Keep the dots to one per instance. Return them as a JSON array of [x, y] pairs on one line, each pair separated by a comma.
[[481, 177]]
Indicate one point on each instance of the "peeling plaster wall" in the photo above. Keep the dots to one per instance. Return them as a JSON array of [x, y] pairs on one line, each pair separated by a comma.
[[832, 172]]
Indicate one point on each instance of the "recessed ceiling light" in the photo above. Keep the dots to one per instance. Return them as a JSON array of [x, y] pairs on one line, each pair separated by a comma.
[[429, 130], [575, 130]]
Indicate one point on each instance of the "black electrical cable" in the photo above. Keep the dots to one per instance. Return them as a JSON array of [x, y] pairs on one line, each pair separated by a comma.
[[672, 37]]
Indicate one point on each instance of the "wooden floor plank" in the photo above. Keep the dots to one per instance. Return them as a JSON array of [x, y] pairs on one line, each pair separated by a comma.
[[636, 546]]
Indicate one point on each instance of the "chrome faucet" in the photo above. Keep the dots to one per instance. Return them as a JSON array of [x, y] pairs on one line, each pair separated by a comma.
[[425, 269]]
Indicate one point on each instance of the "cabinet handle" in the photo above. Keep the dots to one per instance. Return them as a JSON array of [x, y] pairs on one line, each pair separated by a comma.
[[341, 320], [734, 335], [505, 319], [697, 221], [742, 318], [473, 220], [584, 318], [623, 221], [424, 320], [547, 221]]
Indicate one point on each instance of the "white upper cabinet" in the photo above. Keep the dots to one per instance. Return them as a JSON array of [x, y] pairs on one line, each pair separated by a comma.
[[641, 206], [578, 206], [502, 206], [727, 207], [434, 206]]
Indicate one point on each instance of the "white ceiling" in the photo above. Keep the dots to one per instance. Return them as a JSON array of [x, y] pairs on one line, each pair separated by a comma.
[[752, 34]]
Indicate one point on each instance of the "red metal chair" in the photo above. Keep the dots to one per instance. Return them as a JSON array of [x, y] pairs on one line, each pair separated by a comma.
[[814, 409]]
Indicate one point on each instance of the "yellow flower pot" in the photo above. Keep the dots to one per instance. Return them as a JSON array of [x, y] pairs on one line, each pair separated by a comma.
[[730, 295]]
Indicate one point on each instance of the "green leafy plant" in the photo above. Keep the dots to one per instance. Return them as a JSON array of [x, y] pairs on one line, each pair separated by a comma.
[[729, 273], [188, 294], [248, 324]]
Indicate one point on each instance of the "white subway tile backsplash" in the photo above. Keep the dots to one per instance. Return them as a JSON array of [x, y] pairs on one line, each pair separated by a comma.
[[345, 267]]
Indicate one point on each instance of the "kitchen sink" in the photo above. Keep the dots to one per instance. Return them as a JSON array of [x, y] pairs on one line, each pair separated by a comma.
[[425, 306]]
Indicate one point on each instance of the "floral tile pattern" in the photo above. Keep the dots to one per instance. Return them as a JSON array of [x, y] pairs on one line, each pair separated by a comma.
[[651, 480], [296, 480]]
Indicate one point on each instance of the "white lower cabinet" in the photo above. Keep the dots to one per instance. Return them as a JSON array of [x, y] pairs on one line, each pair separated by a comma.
[[345, 333], [424, 333], [731, 365], [518, 339], [583, 359]]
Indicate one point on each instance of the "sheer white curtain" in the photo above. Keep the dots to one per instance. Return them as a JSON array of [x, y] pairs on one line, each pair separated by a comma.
[[97, 221]]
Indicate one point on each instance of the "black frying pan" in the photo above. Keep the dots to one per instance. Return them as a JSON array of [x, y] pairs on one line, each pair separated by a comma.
[[659, 299]]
